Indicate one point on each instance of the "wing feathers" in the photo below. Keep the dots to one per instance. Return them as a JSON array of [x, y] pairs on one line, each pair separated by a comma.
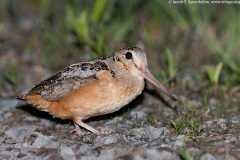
[[71, 78]]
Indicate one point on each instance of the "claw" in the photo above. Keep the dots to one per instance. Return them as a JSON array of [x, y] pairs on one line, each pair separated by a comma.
[[84, 125], [77, 130]]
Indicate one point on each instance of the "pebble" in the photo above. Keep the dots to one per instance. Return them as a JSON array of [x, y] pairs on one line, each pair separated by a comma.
[[11, 133], [132, 143], [138, 114], [67, 153], [207, 156], [88, 150], [230, 139], [54, 157], [43, 141], [220, 120], [113, 138], [194, 150], [155, 154], [150, 132], [235, 120], [9, 104], [155, 133], [208, 123], [179, 137], [213, 101], [226, 141], [178, 144]]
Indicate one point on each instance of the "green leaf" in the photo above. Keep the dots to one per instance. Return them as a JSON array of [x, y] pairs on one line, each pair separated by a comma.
[[185, 155], [69, 18], [214, 74], [170, 60], [210, 73], [192, 124], [100, 43], [174, 124], [217, 72], [4, 128], [80, 25], [97, 10]]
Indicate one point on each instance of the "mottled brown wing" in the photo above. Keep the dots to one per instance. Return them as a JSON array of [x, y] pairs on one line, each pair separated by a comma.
[[71, 78]]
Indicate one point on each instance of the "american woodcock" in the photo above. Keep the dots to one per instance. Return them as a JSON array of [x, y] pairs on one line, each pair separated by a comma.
[[93, 88]]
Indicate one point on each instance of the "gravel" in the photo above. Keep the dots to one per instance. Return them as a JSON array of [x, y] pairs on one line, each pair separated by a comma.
[[207, 156], [31, 134]]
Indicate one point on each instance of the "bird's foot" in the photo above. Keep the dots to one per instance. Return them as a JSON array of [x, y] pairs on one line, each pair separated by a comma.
[[84, 125], [77, 131]]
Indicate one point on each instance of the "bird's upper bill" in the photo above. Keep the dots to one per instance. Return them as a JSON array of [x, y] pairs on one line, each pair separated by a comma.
[[147, 74]]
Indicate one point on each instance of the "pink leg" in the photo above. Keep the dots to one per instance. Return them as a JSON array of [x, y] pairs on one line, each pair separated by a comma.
[[77, 130], [84, 125]]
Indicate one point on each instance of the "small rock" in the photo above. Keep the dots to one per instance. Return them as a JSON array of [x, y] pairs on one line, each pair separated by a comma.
[[155, 133], [41, 140], [112, 139], [7, 115], [107, 154], [11, 133], [151, 132], [54, 157], [173, 138], [221, 120], [230, 139], [153, 154], [235, 120], [139, 133], [207, 156], [128, 123], [161, 155], [212, 101], [223, 126], [8, 105], [204, 134], [8, 154], [67, 153], [87, 150], [208, 123], [194, 150], [179, 137], [178, 143], [138, 114]]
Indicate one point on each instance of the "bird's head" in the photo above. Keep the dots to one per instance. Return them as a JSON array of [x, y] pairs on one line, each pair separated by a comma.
[[134, 60]]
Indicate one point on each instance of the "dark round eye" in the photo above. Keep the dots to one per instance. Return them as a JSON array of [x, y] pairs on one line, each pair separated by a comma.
[[128, 55]]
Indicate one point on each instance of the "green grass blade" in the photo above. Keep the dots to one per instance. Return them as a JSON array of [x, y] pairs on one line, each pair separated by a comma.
[[217, 72], [98, 9], [210, 73], [170, 60]]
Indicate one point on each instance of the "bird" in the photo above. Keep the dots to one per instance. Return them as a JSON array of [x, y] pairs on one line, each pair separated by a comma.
[[93, 88]]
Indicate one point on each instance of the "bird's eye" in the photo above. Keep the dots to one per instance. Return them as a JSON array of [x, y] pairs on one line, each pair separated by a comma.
[[128, 55]]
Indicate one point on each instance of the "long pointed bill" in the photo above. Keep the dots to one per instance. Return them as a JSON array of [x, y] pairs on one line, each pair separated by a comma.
[[146, 74]]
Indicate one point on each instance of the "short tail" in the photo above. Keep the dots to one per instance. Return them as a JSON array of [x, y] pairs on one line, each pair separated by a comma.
[[22, 97]]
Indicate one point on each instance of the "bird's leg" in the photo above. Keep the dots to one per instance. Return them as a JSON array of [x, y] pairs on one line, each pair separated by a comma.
[[77, 130], [84, 125]]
